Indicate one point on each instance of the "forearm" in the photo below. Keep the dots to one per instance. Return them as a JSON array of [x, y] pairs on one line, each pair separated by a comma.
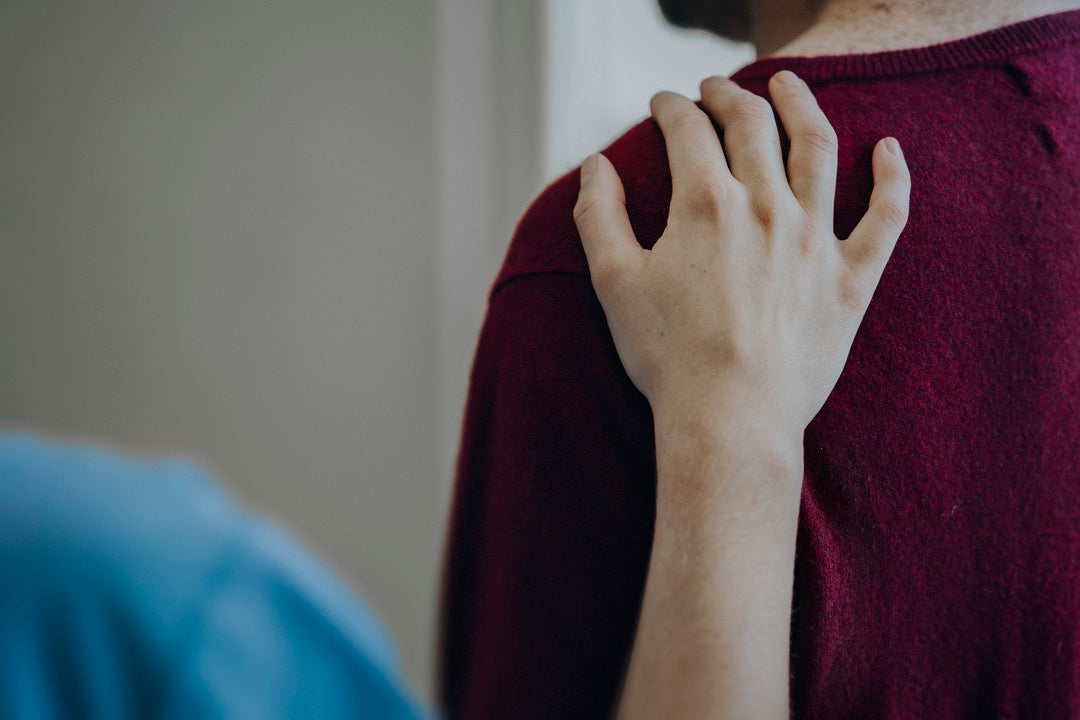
[[713, 633]]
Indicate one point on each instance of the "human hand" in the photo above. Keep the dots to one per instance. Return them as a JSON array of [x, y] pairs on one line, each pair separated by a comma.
[[748, 301]]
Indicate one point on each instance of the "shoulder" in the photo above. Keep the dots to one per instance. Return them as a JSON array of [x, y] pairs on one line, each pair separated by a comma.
[[102, 557], [546, 239], [82, 504], [176, 593], [84, 524], [306, 644]]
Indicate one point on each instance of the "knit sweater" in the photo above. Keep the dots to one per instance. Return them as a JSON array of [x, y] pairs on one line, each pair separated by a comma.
[[936, 568]]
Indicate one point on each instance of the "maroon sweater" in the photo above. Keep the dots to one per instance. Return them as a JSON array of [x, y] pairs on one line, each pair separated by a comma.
[[936, 572]]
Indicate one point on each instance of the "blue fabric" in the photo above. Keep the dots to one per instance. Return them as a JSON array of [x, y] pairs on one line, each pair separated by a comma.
[[136, 589]]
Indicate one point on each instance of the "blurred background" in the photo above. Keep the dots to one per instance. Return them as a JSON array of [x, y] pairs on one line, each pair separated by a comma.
[[262, 234]]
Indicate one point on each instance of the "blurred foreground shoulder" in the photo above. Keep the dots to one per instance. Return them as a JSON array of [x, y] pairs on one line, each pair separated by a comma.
[[137, 588]]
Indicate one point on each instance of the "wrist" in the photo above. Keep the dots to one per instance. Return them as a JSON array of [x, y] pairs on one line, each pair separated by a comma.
[[726, 457], [729, 400], [729, 423]]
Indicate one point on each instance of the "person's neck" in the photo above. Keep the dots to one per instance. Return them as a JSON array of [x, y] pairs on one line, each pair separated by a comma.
[[842, 27]]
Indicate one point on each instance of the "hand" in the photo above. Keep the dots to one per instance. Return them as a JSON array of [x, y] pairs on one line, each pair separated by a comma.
[[736, 326], [747, 300]]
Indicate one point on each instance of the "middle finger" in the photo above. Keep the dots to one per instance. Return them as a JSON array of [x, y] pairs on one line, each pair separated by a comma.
[[751, 141]]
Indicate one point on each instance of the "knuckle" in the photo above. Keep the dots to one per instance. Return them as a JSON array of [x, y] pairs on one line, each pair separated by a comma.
[[768, 207], [741, 354], [751, 108], [815, 198], [894, 214], [709, 199], [585, 209], [686, 119], [851, 290], [819, 136], [604, 272]]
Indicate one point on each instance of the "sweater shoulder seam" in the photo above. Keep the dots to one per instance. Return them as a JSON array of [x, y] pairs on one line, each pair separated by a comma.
[[526, 274]]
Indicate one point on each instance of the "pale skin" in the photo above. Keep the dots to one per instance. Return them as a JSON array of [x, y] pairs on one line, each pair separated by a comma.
[[836, 27], [736, 327]]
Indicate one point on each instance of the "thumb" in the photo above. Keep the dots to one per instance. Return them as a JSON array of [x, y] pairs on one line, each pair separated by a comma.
[[871, 243], [600, 214]]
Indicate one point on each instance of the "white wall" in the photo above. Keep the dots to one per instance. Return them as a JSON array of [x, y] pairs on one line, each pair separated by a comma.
[[605, 59]]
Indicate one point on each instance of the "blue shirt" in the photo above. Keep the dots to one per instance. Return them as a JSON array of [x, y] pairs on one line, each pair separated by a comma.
[[135, 589]]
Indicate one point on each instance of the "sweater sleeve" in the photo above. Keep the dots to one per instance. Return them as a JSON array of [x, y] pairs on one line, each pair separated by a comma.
[[552, 514]]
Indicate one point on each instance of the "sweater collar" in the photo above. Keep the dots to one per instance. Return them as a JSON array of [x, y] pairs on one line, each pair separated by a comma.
[[997, 44]]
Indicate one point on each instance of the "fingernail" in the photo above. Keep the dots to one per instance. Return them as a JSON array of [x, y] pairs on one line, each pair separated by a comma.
[[588, 168], [787, 77], [894, 147]]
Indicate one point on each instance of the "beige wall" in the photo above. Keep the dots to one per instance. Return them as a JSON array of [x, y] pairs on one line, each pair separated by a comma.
[[217, 226], [262, 232]]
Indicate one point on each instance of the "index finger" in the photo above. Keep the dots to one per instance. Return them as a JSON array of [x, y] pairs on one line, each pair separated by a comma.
[[693, 147]]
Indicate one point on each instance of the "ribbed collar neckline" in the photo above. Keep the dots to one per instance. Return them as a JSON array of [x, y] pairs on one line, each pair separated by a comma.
[[992, 45]]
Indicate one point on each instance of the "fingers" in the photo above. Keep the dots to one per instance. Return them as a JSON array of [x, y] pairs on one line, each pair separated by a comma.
[[693, 147], [871, 244], [611, 247], [750, 138], [811, 168]]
